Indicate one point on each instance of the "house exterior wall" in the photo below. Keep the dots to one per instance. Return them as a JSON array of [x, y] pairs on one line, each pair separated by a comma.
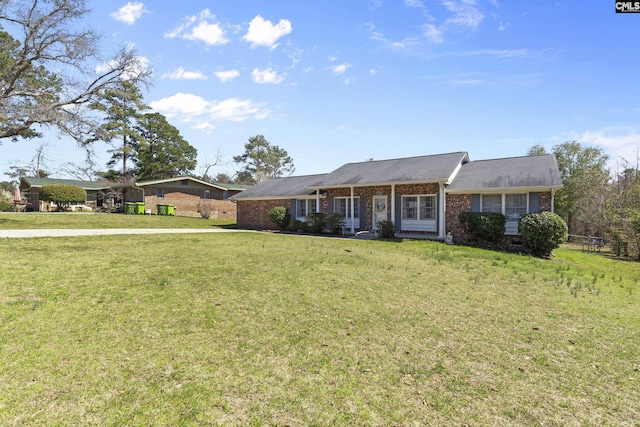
[[254, 214], [458, 203], [366, 195], [187, 200]]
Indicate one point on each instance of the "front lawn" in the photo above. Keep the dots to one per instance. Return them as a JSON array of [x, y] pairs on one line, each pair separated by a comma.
[[267, 329], [28, 220]]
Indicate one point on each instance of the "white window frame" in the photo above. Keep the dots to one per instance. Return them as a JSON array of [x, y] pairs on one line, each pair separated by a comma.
[[511, 225], [306, 203], [347, 212], [420, 222]]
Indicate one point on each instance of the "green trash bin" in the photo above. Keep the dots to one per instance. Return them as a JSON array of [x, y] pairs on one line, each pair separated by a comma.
[[162, 209], [140, 208], [171, 210], [129, 208]]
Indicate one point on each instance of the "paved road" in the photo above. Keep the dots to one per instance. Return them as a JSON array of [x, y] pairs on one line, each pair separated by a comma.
[[107, 231]]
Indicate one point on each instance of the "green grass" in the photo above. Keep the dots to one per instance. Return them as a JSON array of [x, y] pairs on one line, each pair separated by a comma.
[[103, 220], [261, 329]]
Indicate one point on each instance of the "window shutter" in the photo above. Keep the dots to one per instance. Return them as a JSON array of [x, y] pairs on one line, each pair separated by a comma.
[[475, 203], [330, 200], [398, 216], [363, 213], [292, 210], [534, 202]]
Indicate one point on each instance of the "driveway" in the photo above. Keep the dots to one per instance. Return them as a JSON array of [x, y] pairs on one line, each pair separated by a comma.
[[12, 234]]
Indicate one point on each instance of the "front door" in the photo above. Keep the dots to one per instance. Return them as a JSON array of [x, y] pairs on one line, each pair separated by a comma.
[[379, 210]]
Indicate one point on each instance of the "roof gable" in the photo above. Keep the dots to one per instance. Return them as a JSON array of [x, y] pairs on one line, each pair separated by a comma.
[[434, 168], [512, 172]]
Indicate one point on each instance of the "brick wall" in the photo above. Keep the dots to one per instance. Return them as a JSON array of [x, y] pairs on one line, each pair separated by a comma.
[[456, 203], [254, 214], [186, 201]]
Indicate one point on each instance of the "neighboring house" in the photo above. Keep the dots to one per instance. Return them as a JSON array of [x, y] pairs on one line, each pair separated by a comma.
[[420, 195], [187, 194], [30, 188]]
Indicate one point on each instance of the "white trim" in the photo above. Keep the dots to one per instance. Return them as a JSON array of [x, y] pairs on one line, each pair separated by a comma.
[[425, 225], [393, 203]]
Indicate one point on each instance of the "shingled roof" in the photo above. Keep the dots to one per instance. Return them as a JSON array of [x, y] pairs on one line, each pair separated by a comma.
[[513, 172], [86, 185], [434, 168], [281, 188]]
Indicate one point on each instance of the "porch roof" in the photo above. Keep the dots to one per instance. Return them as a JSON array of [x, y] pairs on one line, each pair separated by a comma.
[[35, 182]]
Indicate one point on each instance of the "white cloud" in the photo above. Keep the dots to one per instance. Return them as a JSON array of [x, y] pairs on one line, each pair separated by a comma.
[[414, 3], [227, 76], [190, 108], [181, 74], [340, 68], [266, 76], [264, 33], [465, 13], [129, 13], [200, 28], [432, 33]]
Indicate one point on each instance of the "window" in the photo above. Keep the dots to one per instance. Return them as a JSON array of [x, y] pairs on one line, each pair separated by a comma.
[[342, 206], [418, 208], [515, 206], [312, 206], [206, 194], [225, 195], [301, 208], [492, 203], [160, 192]]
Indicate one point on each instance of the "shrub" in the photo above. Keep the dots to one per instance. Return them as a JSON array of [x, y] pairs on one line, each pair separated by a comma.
[[62, 195], [304, 226], [280, 216], [6, 207], [542, 232], [335, 223], [316, 222], [485, 226], [386, 229], [294, 225], [206, 208]]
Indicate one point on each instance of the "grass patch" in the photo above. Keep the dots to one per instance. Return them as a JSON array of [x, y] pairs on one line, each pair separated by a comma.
[[262, 329], [78, 220]]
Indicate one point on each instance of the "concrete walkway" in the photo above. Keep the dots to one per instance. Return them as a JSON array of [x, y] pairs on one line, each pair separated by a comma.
[[66, 232]]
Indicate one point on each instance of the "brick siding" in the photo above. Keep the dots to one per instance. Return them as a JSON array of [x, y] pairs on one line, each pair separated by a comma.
[[187, 201]]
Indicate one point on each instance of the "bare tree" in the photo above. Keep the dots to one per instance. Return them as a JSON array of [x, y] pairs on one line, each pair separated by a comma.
[[48, 72], [208, 164], [85, 171]]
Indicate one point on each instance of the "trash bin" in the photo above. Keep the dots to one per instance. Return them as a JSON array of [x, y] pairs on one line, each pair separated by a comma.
[[129, 208], [162, 209], [171, 210], [140, 208]]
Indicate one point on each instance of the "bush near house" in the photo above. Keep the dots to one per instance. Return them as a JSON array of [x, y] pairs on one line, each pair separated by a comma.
[[484, 226], [386, 229], [542, 232], [63, 195], [280, 216], [335, 222], [316, 222]]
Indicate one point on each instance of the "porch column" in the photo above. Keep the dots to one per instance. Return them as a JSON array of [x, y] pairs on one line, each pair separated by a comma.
[[353, 219], [393, 203], [553, 199], [442, 212], [317, 200]]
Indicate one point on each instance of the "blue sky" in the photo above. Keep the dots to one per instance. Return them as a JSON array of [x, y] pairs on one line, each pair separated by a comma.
[[344, 81]]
